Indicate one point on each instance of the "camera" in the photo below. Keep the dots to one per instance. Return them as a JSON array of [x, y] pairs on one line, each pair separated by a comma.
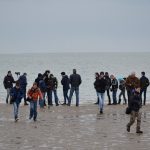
[[17, 73]]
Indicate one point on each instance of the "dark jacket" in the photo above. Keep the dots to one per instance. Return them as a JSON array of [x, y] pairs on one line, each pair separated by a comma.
[[23, 81], [52, 83], [75, 80], [65, 82], [135, 103], [8, 81], [108, 82], [144, 82], [100, 85], [122, 85], [114, 84], [16, 94]]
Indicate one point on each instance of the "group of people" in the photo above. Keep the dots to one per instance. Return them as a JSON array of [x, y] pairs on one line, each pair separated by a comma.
[[43, 87], [135, 88], [46, 84]]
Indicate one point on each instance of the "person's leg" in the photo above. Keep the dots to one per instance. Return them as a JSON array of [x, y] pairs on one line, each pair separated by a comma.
[[141, 93], [15, 110], [64, 94], [35, 110], [114, 97], [31, 109], [124, 96], [132, 120], [70, 96], [97, 102], [49, 95], [102, 98], [24, 95], [77, 96], [67, 97], [56, 97], [138, 114], [145, 91], [8, 95], [100, 103], [121, 93], [109, 99]]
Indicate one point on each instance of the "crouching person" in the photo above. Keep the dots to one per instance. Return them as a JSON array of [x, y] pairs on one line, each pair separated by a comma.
[[135, 106], [34, 94], [16, 96]]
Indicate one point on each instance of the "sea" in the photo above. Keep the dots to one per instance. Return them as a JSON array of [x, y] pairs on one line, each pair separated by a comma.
[[86, 64]]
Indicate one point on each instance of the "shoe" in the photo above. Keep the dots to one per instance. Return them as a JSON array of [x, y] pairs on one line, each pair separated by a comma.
[[63, 104], [109, 104], [57, 104], [48, 106], [139, 131], [16, 119], [68, 104], [128, 128], [96, 103], [77, 105], [34, 119], [101, 112], [26, 104]]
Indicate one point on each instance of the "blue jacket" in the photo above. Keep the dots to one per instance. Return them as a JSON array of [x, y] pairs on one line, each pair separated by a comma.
[[65, 82], [16, 94]]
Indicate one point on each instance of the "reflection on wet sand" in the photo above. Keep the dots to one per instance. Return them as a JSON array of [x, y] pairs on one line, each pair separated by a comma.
[[71, 128]]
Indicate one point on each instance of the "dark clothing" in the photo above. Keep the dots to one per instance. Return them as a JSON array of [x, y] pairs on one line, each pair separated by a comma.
[[114, 89], [144, 83], [65, 82], [23, 81], [75, 80], [16, 95], [114, 84], [108, 85], [135, 103], [100, 85], [66, 97], [8, 82], [42, 86]]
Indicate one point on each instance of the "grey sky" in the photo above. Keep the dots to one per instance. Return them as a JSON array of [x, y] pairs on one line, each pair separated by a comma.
[[74, 25]]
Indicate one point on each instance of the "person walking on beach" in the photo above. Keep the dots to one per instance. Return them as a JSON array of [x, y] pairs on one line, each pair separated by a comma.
[[144, 83], [65, 82], [34, 94], [135, 105], [132, 83], [100, 86], [8, 84], [114, 88], [23, 85], [96, 79], [75, 81], [108, 85], [16, 96], [122, 88]]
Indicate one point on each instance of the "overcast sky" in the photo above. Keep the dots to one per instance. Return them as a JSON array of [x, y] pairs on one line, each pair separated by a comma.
[[74, 25]]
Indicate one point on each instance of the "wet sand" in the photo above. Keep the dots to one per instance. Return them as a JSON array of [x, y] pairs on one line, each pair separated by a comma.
[[73, 128]]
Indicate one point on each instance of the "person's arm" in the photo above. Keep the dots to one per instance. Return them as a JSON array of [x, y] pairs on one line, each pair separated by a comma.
[[4, 83], [147, 82], [80, 81], [29, 93]]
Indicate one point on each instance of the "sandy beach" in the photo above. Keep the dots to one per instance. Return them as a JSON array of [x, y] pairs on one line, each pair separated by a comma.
[[72, 128]]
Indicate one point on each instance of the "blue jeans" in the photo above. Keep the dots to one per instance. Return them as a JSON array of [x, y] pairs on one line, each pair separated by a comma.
[[33, 110], [101, 97], [114, 95], [49, 94], [66, 97], [16, 109], [72, 90]]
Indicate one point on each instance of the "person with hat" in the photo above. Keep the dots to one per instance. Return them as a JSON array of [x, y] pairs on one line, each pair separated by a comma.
[[16, 96], [65, 83], [8, 84]]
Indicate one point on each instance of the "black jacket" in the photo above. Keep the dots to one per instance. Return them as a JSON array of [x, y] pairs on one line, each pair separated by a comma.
[[65, 82], [135, 103], [100, 85], [8, 81], [144, 82], [108, 82], [75, 80], [114, 84]]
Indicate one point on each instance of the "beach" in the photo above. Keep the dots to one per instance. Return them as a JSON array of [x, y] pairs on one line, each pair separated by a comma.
[[73, 128]]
